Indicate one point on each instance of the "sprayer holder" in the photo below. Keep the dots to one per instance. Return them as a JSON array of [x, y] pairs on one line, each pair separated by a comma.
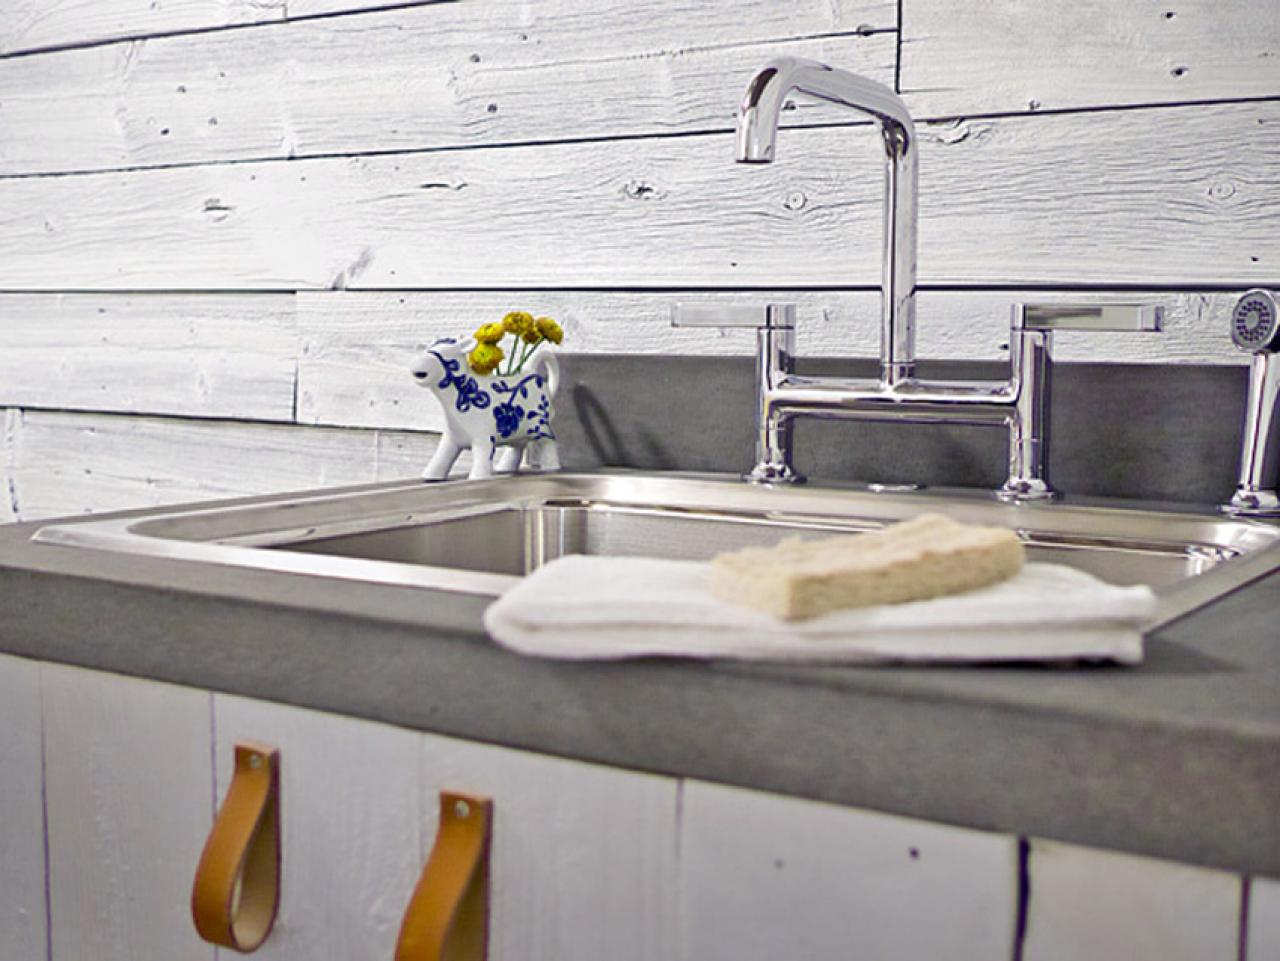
[[1255, 329]]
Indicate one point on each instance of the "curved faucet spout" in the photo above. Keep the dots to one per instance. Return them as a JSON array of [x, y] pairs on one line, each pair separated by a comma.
[[756, 136]]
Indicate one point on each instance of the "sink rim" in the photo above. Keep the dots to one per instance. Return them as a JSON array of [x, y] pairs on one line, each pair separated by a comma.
[[239, 535]]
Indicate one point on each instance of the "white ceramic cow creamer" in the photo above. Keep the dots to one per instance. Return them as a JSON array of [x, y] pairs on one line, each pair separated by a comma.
[[489, 411]]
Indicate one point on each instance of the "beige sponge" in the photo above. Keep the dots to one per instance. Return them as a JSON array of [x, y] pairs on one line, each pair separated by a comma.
[[928, 556]]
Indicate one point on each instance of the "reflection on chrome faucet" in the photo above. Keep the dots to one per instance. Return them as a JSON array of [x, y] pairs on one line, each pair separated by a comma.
[[1019, 403]]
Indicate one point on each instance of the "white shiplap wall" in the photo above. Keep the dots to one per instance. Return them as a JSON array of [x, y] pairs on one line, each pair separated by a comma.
[[226, 224]]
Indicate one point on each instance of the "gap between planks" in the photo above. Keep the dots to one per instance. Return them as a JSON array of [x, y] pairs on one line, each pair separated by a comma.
[[301, 157], [89, 44]]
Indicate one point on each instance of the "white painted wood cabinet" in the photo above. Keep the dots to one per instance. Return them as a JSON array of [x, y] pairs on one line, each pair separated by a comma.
[[353, 824], [1264, 920], [588, 861], [766, 877], [23, 928], [582, 862], [1103, 905], [129, 802]]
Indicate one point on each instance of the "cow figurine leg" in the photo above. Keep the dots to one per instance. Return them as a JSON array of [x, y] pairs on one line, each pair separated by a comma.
[[508, 461], [481, 459], [443, 459], [543, 455]]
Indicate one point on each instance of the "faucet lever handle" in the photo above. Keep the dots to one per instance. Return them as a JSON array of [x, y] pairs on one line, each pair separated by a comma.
[[759, 316], [1117, 317]]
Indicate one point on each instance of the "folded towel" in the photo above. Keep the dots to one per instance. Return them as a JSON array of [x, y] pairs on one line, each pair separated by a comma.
[[583, 608]]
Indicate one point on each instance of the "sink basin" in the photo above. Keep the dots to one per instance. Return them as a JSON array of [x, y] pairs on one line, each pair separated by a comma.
[[477, 537]]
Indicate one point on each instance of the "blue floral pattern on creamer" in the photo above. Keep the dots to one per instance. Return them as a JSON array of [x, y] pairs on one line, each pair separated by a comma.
[[510, 416], [469, 392]]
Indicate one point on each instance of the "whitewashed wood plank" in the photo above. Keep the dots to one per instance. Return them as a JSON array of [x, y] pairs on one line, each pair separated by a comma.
[[353, 823], [1158, 197], [356, 346], [130, 804], [1088, 903], [23, 906], [206, 356], [403, 454], [534, 22], [763, 876], [9, 420], [199, 98], [81, 463], [978, 57], [42, 24], [584, 857], [1264, 920]]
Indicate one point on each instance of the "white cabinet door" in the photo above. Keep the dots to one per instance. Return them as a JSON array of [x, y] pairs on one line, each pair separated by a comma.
[[583, 859], [23, 923], [129, 788], [768, 877], [1105, 906], [1264, 920], [353, 823]]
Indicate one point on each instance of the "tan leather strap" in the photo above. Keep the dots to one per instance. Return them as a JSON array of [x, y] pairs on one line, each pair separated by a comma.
[[448, 915], [237, 887]]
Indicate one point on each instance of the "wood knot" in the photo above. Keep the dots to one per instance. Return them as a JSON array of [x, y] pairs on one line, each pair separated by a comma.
[[217, 210], [1222, 190], [641, 190]]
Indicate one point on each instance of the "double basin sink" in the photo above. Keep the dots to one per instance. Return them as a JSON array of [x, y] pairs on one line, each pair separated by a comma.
[[477, 537]]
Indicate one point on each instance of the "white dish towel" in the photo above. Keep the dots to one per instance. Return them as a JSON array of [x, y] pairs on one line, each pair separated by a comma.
[[584, 608]]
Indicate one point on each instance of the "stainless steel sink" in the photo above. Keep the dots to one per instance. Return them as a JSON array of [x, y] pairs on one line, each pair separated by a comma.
[[477, 537]]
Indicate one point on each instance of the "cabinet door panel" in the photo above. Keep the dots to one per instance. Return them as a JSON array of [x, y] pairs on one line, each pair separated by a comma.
[[353, 827], [23, 930], [1264, 920], [768, 877], [1101, 905], [583, 857], [129, 787]]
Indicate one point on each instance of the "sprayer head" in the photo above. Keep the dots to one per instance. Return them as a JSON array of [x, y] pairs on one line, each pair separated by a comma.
[[1255, 322]]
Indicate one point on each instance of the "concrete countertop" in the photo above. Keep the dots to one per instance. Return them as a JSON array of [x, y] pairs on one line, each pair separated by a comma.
[[1178, 758]]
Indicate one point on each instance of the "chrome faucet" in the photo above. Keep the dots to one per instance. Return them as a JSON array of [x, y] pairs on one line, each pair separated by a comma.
[[1020, 403], [758, 133]]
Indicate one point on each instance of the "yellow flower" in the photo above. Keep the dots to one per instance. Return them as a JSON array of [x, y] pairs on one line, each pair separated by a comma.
[[532, 336], [518, 322], [490, 333], [484, 358], [549, 329]]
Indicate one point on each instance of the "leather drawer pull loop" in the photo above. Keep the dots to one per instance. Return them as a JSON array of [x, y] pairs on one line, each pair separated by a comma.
[[237, 886], [448, 915]]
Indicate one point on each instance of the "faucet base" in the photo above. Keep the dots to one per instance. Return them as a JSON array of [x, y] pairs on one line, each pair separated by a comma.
[[1253, 503], [773, 473], [1016, 491]]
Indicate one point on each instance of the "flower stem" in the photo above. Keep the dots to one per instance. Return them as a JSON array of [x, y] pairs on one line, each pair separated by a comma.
[[511, 356]]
